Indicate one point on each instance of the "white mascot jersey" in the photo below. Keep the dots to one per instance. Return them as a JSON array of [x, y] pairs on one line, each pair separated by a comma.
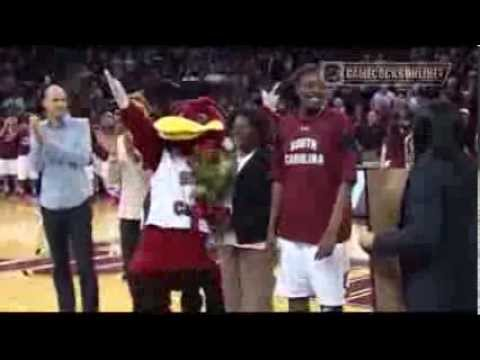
[[172, 187]]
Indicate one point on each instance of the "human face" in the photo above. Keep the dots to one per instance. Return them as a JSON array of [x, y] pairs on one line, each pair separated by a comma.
[[358, 111], [372, 118], [107, 119], [338, 103], [311, 91], [244, 135], [55, 102]]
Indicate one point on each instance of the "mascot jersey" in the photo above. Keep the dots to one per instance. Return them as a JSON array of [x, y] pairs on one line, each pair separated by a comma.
[[173, 183], [169, 243]]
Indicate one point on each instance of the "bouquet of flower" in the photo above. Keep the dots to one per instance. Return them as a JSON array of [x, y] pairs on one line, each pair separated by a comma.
[[213, 170]]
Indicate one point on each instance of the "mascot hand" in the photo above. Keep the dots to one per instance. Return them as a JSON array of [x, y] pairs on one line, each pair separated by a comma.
[[270, 98], [118, 91]]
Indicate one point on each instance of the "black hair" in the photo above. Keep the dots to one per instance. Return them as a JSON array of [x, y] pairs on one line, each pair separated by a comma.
[[257, 119], [439, 128], [422, 133], [287, 90]]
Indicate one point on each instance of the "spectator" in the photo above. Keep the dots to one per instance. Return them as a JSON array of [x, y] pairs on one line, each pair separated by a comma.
[[400, 101], [8, 154], [382, 102], [370, 135], [27, 176], [23, 72], [338, 104], [125, 170], [414, 98], [394, 151], [96, 97], [358, 116]]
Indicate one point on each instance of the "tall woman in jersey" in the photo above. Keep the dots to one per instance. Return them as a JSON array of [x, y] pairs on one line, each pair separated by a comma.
[[313, 169]]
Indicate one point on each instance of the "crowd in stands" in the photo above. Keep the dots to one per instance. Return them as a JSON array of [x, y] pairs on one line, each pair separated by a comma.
[[381, 115]]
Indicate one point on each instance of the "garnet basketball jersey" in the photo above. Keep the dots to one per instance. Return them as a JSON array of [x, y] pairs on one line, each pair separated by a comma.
[[311, 159]]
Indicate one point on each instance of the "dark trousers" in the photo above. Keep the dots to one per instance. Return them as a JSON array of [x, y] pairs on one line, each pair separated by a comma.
[[129, 237], [210, 282], [155, 291], [75, 225]]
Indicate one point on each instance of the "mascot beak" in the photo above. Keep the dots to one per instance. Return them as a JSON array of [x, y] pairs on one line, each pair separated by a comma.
[[178, 128]]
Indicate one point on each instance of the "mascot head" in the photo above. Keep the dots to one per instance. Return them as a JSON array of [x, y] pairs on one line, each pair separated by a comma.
[[199, 121]]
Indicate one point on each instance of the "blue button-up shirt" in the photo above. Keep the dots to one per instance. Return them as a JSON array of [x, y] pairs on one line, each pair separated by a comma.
[[62, 158]]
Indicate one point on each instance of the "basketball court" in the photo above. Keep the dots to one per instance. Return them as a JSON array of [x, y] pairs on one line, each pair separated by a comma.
[[25, 278]]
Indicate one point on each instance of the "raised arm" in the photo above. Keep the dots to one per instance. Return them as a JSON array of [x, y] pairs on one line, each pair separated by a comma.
[[145, 137], [270, 101]]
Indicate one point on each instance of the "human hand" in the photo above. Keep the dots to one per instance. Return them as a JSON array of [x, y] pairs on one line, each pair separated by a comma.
[[270, 98], [118, 91], [326, 245], [385, 164], [366, 241]]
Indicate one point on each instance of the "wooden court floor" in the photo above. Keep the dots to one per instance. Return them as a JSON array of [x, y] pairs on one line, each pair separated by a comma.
[[21, 232]]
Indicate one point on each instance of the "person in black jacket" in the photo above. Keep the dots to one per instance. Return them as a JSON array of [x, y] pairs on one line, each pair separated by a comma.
[[437, 237], [246, 260]]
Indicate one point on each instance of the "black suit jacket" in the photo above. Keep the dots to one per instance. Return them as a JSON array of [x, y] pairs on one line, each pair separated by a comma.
[[436, 242], [251, 199]]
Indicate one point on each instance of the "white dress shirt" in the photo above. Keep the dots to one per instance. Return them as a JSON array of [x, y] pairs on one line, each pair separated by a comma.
[[133, 182]]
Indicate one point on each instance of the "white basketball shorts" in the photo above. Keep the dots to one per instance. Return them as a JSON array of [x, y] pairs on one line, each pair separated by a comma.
[[24, 169], [301, 276], [8, 167]]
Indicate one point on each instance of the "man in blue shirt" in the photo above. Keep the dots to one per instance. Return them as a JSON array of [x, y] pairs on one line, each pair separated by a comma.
[[61, 148]]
